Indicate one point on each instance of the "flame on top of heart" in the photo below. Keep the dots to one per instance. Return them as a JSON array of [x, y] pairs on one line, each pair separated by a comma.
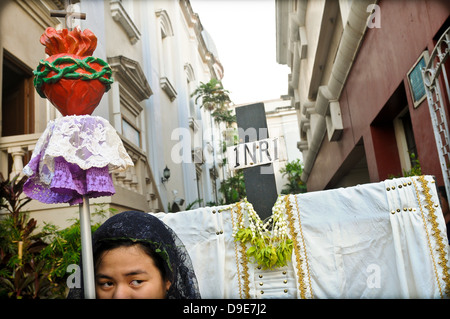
[[77, 42]]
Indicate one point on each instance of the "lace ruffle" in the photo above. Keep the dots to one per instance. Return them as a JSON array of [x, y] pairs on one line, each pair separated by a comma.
[[74, 157]]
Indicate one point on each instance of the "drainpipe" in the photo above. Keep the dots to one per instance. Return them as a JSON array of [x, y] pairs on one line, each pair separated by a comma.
[[351, 40]]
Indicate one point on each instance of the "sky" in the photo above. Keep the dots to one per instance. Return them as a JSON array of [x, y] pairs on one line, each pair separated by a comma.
[[244, 34]]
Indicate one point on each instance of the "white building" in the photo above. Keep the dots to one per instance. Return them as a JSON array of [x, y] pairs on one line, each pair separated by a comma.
[[282, 122], [180, 137], [159, 54]]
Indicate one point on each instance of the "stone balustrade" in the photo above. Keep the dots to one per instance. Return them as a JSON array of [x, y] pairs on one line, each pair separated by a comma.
[[15, 151]]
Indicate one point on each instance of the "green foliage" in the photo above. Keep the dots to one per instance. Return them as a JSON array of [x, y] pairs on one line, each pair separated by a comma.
[[211, 204], [191, 205], [28, 281], [416, 169], [223, 115], [268, 248], [40, 270], [263, 252], [295, 185], [64, 248], [233, 188], [21, 274], [260, 251], [216, 99], [11, 197], [213, 95]]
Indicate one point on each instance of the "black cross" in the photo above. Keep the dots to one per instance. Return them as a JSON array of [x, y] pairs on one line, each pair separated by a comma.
[[68, 14], [259, 181]]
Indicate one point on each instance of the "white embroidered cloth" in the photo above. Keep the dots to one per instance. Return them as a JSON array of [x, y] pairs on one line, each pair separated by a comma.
[[379, 240]]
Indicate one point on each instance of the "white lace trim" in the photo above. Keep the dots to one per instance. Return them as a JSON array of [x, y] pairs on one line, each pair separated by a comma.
[[87, 141]]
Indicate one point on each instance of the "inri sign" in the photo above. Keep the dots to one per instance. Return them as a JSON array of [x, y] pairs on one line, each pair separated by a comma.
[[254, 153]]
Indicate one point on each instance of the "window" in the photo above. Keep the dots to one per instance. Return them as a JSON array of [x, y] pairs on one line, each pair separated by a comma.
[[165, 54], [199, 180], [406, 143], [17, 97], [409, 134], [416, 86], [131, 133], [214, 176], [190, 78], [129, 89]]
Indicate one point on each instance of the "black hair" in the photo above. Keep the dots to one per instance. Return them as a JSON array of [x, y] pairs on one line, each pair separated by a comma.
[[106, 245]]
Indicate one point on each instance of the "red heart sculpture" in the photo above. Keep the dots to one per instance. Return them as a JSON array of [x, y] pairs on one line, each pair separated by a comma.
[[71, 78]]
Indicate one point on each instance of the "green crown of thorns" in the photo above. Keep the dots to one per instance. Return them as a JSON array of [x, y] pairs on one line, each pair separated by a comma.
[[68, 72]]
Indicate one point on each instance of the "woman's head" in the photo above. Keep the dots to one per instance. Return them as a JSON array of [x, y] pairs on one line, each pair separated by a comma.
[[129, 270], [136, 250]]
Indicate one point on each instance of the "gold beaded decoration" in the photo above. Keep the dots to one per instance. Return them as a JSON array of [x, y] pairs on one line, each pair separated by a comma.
[[429, 205]]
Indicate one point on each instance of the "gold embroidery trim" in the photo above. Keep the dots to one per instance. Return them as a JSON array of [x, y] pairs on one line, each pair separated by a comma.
[[435, 233], [304, 247], [300, 274], [245, 275], [237, 258]]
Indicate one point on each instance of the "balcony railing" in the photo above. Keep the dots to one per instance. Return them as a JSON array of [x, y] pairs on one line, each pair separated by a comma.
[[14, 151], [139, 179]]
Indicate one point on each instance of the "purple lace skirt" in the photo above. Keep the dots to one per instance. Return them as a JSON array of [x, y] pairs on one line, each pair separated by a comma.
[[73, 158], [69, 183]]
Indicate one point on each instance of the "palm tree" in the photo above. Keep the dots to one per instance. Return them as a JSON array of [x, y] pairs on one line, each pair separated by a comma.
[[213, 95]]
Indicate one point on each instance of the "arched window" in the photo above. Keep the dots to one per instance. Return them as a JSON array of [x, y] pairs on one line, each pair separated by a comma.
[[165, 54], [190, 79], [165, 24]]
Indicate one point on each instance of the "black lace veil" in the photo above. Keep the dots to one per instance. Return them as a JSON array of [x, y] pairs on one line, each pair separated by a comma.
[[147, 229]]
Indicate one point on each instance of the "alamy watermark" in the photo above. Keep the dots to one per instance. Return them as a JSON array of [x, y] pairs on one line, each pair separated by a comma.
[[374, 278], [74, 279], [206, 141], [203, 146], [374, 20]]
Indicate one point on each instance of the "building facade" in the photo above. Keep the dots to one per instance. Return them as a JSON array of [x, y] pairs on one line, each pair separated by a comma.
[[282, 122], [356, 84], [159, 54]]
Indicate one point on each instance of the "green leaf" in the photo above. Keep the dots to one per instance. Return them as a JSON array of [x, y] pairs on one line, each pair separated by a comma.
[[251, 251]]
